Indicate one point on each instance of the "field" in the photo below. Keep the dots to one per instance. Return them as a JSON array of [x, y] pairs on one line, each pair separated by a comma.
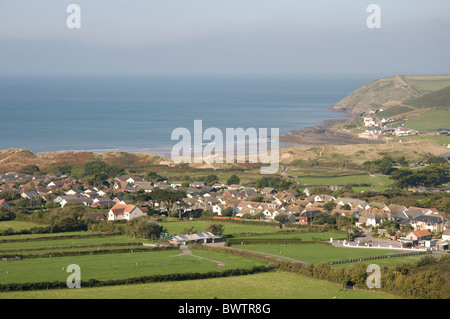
[[357, 179], [428, 83], [316, 253], [430, 120], [17, 225], [116, 266], [271, 285], [176, 228], [82, 249]]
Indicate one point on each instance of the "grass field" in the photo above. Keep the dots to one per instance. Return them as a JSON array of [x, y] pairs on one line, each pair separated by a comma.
[[117, 266], [426, 84], [273, 285], [374, 180], [229, 228], [17, 225], [430, 120], [316, 253], [304, 236]]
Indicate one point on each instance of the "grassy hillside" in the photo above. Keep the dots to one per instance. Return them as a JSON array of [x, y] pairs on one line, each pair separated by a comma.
[[440, 98], [430, 120], [383, 92], [427, 83]]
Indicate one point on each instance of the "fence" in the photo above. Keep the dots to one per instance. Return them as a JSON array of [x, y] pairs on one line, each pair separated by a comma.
[[379, 257]]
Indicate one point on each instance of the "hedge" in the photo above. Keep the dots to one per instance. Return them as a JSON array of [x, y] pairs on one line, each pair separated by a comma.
[[84, 252], [251, 241], [13, 240]]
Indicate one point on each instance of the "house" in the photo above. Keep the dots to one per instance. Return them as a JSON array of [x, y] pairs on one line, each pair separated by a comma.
[[103, 202], [307, 216], [197, 184], [320, 198], [124, 212], [268, 190], [176, 184], [4, 204], [446, 235], [428, 222], [372, 217], [86, 201], [419, 235]]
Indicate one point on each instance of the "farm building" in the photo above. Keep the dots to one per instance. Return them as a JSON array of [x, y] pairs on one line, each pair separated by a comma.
[[206, 237]]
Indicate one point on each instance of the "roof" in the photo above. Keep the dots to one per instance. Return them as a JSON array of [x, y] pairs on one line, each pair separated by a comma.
[[193, 237], [422, 233], [122, 208]]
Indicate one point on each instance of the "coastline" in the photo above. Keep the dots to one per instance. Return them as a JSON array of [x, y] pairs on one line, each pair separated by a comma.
[[325, 133]]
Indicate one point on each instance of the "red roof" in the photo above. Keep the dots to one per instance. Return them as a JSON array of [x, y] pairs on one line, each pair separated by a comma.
[[422, 233]]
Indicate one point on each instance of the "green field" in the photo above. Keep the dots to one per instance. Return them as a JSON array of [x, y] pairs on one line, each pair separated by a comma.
[[176, 228], [17, 225], [117, 266], [304, 236], [430, 120], [316, 253], [428, 83], [273, 285], [358, 179]]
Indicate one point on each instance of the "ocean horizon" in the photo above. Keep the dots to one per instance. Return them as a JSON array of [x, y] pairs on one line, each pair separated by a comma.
[[137, 114]]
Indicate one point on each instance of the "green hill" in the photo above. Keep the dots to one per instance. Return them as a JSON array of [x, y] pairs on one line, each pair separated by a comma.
[[440, 98], [381, 93]]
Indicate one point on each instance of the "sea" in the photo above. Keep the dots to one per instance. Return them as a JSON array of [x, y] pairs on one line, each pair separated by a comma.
[[139, 114]]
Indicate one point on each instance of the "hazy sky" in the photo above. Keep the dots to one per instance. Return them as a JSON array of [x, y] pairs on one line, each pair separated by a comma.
[[154, 37]]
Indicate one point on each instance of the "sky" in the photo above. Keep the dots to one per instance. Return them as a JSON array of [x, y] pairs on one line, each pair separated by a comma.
[[224, 37]]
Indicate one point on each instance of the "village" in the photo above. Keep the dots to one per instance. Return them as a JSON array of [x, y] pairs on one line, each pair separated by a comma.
[[387, 224]]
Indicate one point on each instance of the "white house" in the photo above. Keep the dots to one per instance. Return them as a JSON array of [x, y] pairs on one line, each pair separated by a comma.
[[127, 212]]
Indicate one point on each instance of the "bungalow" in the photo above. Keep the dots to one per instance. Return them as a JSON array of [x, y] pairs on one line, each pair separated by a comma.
[[250, 211], [268, 191], [86, 201], [103, 202], [124, 212], [419, 235], [4, 204], [197, 184], [307, 216], [176, 184]]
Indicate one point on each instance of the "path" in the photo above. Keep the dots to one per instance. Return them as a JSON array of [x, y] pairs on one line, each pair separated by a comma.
[[185, 251]]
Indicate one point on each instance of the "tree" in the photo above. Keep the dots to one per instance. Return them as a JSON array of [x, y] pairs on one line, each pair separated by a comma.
[[329, 206], [228, 212], [281, 218], [6, 214], [233, 179], [144, 227], [169, 197], [211, 179], [216, 229]]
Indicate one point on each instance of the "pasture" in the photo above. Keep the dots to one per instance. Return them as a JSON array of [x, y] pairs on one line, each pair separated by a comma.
[[315, 253], [357, 179], [272, 285], [430, 120]]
